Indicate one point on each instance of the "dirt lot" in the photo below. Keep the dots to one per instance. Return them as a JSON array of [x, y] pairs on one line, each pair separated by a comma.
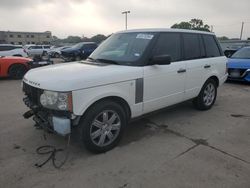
[[178, 147]]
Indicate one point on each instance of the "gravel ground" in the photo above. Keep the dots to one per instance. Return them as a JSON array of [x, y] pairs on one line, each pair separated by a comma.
[[177, 147]]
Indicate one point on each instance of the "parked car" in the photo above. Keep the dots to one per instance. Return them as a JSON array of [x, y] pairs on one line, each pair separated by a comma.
[[239, 65], [14, 67], [132, 73], [56, 52], [12, 50], [79, 51], [234, 48], [33, 50]]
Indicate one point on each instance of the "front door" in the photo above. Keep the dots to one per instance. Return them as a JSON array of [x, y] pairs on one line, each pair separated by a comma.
[[164, 85]]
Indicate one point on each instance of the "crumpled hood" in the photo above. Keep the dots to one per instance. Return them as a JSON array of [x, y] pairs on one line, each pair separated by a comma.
[[70, 50], [76, 75], [239, 63]]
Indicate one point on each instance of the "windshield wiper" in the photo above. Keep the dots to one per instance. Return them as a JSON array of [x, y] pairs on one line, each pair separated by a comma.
[[108, 61]]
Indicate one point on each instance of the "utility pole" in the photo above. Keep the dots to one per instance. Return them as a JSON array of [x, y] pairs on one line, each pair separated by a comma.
[[126, 18], [212, 28], [241, 32]]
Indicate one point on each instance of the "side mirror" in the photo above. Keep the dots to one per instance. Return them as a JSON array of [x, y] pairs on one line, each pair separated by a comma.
[[161, 60]]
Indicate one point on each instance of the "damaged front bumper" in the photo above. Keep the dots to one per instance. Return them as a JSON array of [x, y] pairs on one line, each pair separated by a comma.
[[59, 122]]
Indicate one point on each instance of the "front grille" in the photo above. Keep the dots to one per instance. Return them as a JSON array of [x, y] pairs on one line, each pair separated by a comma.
[[241, 71], [32, 93]]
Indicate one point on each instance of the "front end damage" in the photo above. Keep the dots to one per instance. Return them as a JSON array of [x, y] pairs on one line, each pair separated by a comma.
[[59, 122]]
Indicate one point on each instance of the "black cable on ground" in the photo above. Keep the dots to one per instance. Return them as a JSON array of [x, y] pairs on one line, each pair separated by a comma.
[[52, 152]]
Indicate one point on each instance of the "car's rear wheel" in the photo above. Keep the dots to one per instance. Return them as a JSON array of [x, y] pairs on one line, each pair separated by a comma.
[[102, 126], [207, 95], [17, 71]]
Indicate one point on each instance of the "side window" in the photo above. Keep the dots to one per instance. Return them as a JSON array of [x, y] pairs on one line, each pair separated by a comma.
[[191, 46], [93, 46], [169, 44], [86, 46], [211, 46], [6, 48], [37, 47]]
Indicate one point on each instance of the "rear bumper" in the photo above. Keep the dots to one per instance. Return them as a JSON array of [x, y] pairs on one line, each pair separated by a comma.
[[223, 79]]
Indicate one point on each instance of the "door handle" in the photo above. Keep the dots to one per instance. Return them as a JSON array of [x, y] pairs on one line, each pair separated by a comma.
[[181, 71], [207, 66]]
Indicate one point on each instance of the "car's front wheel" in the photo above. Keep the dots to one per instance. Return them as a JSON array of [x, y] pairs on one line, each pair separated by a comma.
[[102, 126], [17, 71], [207, 95]]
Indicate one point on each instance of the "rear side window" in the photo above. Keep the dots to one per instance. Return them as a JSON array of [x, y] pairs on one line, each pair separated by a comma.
[[169, 44], [89, 46], [35, 47], [192, 45], [6, 48], [46, 47], [18, 47], [211, 46]]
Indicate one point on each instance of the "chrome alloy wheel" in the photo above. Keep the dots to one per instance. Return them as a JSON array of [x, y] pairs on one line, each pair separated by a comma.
[[105, 128], [209, 94]]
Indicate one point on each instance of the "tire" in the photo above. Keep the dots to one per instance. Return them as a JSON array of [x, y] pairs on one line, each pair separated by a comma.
[[45, 53], [17, 71], [100, 135], [78, 58], [207, 96]]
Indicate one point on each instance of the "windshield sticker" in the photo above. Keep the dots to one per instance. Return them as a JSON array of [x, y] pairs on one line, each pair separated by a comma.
[[144, 36]]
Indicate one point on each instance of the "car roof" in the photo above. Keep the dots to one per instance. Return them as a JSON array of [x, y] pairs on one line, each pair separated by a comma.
[[156, 30], [6, 45], [87, 42]]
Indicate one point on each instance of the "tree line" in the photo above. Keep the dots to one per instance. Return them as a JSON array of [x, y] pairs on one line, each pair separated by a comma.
[[193, 24]]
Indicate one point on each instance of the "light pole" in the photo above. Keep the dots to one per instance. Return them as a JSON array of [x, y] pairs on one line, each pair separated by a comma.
[[126, 18], [241, 31]]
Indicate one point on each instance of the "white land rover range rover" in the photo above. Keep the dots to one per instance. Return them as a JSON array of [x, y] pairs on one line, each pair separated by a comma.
[[132, 73]]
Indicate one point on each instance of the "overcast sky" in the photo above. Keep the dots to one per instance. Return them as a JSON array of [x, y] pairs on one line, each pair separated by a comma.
[[90, 17]]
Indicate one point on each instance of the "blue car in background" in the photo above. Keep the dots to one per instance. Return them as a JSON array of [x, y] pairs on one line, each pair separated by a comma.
[[79, 51], [239, 65]]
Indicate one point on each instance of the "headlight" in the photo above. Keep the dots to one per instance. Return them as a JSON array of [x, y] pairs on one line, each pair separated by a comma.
[[56, 100]]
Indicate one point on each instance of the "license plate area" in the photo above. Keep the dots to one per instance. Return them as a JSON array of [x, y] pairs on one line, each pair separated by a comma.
[[235, 73]]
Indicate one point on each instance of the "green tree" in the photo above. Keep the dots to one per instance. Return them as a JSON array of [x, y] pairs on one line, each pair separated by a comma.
[[98, 38], [193, 24], [182, 25], [223, 38], [72, 39]]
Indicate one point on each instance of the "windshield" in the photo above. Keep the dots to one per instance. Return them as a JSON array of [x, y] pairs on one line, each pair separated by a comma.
[[243, 53], [123, 48]]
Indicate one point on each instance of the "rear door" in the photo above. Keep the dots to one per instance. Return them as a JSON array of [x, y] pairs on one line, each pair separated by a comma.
[[216, 61], [164, 84], [195, 57], [36, 50]]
